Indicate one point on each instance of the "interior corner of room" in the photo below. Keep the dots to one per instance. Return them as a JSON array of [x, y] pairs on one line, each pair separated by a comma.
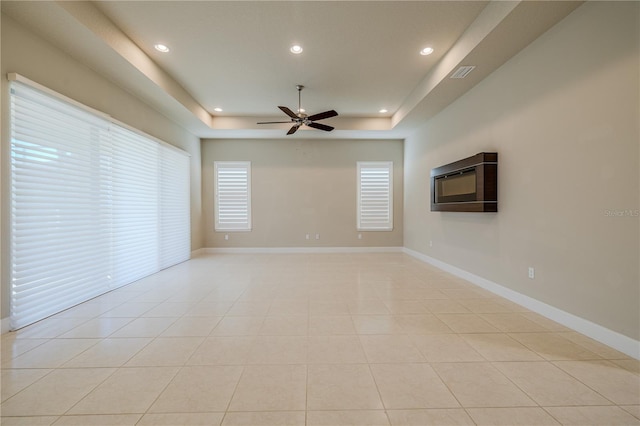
[[562, 111]]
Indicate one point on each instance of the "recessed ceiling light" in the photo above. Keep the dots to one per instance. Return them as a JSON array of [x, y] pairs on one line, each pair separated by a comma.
[[217, 109], [161, 48], [296, 49], [426, 51], [382, 111]]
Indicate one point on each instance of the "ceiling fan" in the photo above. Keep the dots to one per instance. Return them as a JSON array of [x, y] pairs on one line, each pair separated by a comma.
[[301, 118]]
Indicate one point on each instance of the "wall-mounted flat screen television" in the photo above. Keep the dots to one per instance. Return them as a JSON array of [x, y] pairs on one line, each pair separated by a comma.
[[467, 185]]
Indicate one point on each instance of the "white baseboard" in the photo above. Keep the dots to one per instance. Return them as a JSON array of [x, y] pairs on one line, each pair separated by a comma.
[[294, 250], [597, 332], [5, 326], [198, 252]]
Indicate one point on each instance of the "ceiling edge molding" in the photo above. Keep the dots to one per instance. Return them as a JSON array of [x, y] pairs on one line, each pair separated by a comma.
[[91, 18]]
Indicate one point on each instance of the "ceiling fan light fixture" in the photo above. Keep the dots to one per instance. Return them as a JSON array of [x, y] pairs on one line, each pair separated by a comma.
[[161, 47], [426, 51], [296, 49]]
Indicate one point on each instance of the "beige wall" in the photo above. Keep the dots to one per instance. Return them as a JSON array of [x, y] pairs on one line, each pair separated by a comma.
[[564, 117], [302, 186], [27, 54]]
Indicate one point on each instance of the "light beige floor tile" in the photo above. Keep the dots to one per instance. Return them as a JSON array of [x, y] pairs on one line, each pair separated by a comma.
[[55, 393], [175, 419], [596, 347], [238, 326], [376, 324], [548, 385], [127, 391], [228, 350], [611, 381], [390, 348], [485, 306], [526, 416], [49, 328], [96, 328], [341, 387], [106, 420], [192, 327], [404, 386], [632, 365], [445, 348], [347, 418], [331, 325], [285, 326], [270, 388], [422, 324], [433, 417], [467, 323], [13, 347], [406, 307], [481, 385], [543, 321], [108, 353], [633, 409], [335, 350], [327, 308], [166, 351], [28, 421], [169, 309], [278, 350], [249, 309], [467, 293], [553, 346], [13, 381], [368, 307], [512, 322], [445, 306], [144, 327], [592, 416], [129, 310], [265, 418], [209, 309], [289, 307], [198, 389], [52, 354], [500, 347]]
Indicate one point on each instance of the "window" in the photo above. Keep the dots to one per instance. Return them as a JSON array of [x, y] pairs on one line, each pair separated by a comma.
[[94, 205], [232, 187], [375, 196]]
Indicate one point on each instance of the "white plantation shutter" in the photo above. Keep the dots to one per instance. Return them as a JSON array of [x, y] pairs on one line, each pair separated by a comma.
[[375, 196], [93, 205], [232, 187]]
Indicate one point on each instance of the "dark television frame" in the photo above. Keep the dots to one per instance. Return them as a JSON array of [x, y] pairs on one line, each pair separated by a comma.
[[485, 198]]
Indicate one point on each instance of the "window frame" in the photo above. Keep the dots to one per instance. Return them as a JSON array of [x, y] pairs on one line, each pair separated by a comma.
[[218, 227], [383, 226]]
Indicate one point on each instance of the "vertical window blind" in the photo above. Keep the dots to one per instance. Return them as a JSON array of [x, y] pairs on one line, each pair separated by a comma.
[[375, 196], [94, 205], [232, 195]]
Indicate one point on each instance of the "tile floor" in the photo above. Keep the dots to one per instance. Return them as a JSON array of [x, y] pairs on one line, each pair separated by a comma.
[[310, 339]]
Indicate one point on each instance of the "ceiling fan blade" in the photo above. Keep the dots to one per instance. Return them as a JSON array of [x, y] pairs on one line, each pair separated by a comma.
[[322, 115], [272, 122], [288, 112], [293, 129], [320, 126]]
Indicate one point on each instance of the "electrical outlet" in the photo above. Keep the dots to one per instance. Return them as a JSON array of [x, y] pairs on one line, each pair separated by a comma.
[[306, 236], [532, 272], [359, 236], [317, 236], [430, 243], [226, 236]]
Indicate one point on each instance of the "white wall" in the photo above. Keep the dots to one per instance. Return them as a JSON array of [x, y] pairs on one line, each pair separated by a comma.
[[29, 55], [564, 117], [302, 186]]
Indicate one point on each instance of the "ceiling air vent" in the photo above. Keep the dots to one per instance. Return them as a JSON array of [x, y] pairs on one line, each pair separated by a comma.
[[463, 71]]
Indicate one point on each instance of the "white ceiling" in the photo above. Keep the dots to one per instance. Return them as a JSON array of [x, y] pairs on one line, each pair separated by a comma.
[[359, 56]]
